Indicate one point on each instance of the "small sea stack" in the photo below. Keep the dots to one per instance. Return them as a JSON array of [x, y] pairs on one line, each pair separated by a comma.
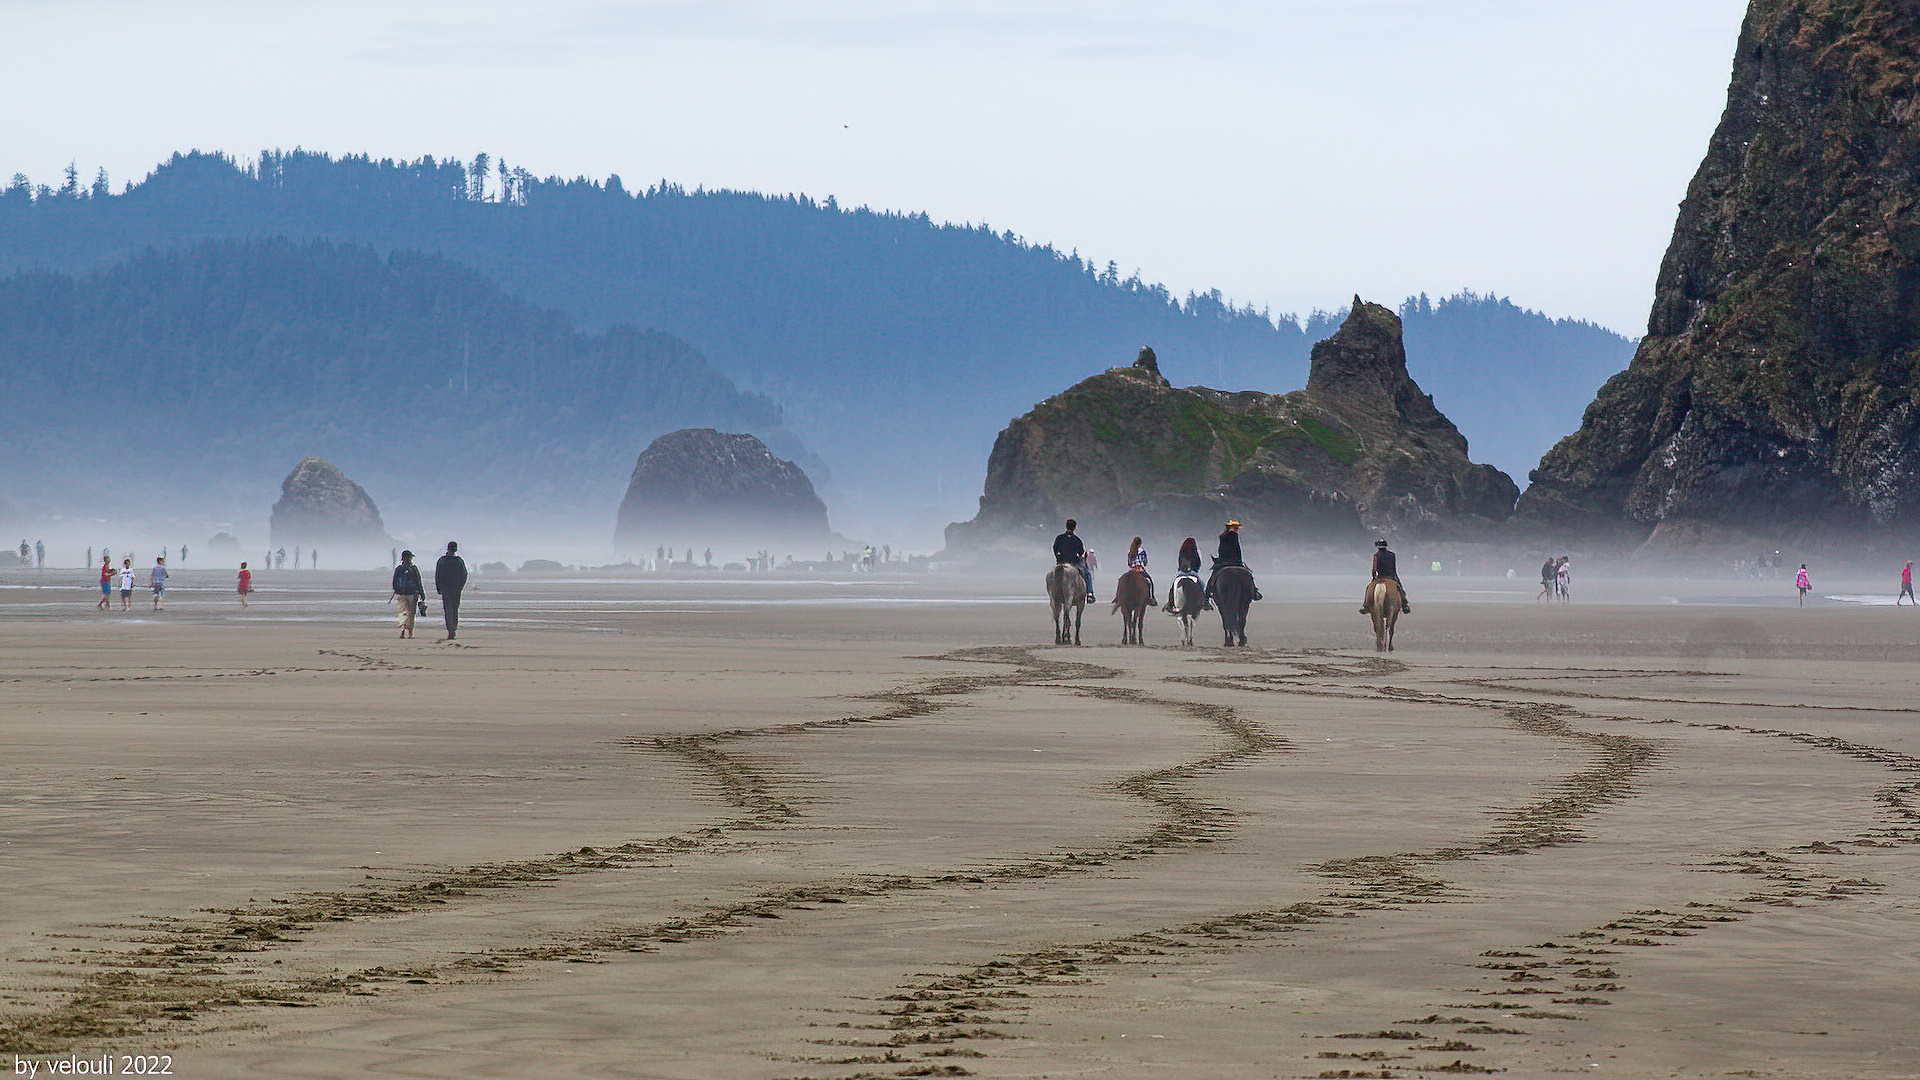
[[717, 489]]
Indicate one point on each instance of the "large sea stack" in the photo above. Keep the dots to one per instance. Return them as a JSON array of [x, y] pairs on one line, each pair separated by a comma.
[[319, 506], [1775, 394], [1360, 448], [711, 488]]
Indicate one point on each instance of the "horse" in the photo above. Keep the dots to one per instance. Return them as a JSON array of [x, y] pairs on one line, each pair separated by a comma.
[[1192, 599], [1132, 596], [1383, 603], [1233, 595], [1067, 593]]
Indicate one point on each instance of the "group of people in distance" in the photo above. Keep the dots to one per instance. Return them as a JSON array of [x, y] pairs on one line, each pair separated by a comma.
[[409, 593], [124, 577], [1070, 550], [1556, 580]]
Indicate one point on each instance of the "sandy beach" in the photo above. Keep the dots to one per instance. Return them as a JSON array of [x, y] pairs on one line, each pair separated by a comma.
[[876, 826]]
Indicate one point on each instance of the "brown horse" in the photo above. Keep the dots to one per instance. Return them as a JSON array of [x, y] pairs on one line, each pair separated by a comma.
[[1067, 593], [1132, 596], [1383, 603]]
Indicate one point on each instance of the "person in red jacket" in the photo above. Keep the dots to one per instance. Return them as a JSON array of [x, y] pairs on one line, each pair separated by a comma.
[[246, 583], [1906, 584]]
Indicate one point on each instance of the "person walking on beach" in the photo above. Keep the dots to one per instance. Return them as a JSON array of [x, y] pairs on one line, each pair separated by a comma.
[[407, 592], [39, 554], [106, 583], [449, 577], [1906, 584], [1563, 579], [1548, 570], [246, 584], [126, 583], [313, 558], [157, 581], [1804, 583]]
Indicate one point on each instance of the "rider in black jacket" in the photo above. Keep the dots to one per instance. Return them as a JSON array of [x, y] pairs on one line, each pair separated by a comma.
[[1228, 555], [1387, 565], [1068, 548]]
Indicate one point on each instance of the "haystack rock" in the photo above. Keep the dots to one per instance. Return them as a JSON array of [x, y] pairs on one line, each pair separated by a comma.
[[1777, 391], [1361, 448], [710, 488], [320, 506]]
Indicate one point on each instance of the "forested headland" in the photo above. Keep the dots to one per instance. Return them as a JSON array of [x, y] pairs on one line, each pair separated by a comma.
[[191, 380]]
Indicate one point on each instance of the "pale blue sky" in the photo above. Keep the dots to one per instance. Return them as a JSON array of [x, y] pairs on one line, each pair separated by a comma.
[[1289, 153]]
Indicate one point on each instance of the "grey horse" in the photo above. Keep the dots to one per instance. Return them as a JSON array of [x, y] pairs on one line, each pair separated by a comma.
[[1067, 593]]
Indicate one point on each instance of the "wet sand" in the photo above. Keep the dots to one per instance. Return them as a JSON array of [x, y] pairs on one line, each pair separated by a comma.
[[878, 827]]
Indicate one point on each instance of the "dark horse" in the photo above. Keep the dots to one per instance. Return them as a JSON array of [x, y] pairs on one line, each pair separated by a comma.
[[1233, 594], [1132, 596]]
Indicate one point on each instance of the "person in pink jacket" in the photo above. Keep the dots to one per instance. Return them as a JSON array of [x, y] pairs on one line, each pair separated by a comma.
[[1801, 582]]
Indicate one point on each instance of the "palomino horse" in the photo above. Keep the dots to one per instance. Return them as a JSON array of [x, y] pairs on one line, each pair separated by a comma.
[[1233, 595], [1132, 596], [1067, 592], [1190, 600], [1383, 603]]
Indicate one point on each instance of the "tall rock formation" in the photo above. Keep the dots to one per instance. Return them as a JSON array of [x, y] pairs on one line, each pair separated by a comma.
[[1776, 392], [1360, 448], [320, 506], [709, 488]]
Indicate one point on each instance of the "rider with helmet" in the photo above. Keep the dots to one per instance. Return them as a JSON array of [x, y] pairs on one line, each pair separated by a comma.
[[1068, 549], [1385, 566]]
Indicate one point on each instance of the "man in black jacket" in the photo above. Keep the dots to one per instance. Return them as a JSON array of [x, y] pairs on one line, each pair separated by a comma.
[[1067, 548], [1228, 554], [449, 577]]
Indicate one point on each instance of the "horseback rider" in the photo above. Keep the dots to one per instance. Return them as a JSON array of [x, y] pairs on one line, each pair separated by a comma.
[[1228, 555], [1386, 566], [1188, 565], [1137, 561], [1068, 549]]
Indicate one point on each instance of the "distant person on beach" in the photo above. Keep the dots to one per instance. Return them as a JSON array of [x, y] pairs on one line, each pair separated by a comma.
[[26, 554], [1548, 573], [280, 559], [246, 584], [126, 583], [183, 553], [1906, 584], [313, 559], [106, 583], [1563, 579], [157, 581], [296, 556], [39, 554], [407, 592], [449, 577], [1804, 583]]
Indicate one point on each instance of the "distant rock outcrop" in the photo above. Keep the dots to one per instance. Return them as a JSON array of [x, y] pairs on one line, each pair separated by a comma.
[[319, 505], [1360, 448], [708, 487], [1777, 392]]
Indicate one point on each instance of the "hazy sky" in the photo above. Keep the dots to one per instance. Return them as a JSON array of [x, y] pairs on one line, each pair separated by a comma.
[[1290, 153]]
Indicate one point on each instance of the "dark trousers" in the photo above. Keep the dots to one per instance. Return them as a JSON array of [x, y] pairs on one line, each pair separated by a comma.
[[450, 607]]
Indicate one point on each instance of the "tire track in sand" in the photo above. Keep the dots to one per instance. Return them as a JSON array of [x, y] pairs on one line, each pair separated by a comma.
[[164, 974]]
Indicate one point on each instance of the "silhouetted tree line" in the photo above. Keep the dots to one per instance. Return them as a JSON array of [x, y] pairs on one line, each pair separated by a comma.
[[217, 366], [898, 346]]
